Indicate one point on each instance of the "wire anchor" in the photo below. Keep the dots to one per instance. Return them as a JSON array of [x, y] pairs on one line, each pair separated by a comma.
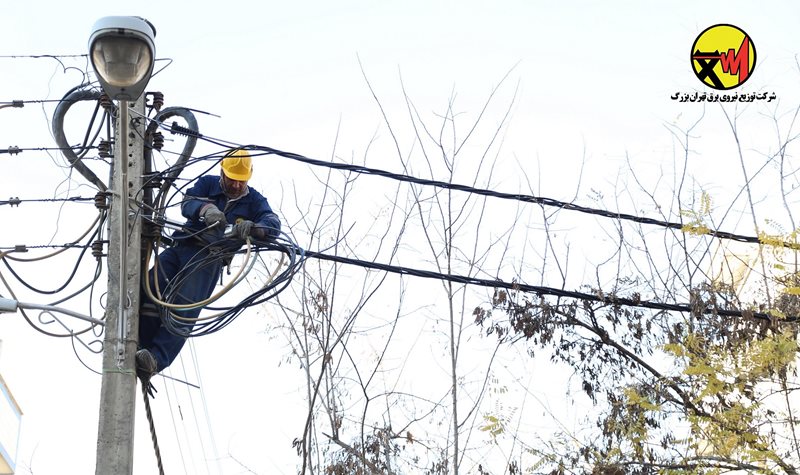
[[180, 130]]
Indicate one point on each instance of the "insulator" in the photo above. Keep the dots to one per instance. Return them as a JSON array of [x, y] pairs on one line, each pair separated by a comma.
[[158, 100], [104, 149], [101, 200], [106, 102], [158, 140], [97, 249]]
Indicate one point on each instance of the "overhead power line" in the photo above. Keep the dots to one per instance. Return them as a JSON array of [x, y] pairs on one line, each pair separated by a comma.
[[16, 201], [25, 248], [541, 200], [37, 56], [22, 102], [544, 201], [13, 150], [600, 297]]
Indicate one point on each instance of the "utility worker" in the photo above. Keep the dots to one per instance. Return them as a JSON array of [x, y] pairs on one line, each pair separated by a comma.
[[209, 205]]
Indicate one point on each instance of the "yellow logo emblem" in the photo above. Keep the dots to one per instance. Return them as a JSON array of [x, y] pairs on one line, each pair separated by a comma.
[[723, 56]]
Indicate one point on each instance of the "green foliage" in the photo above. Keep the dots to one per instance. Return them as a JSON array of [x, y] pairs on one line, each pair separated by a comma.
[[696, 224], [714, 411], [493, 426]]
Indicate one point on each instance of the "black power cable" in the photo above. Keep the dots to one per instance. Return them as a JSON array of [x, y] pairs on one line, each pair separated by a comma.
[[610, 299], [544, 201], [541, 200]]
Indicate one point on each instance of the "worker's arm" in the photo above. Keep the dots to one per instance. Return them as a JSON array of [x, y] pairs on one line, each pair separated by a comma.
[[267, 223], [197, 199]]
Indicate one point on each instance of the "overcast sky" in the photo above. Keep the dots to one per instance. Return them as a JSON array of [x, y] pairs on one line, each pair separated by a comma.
[[589, 82]]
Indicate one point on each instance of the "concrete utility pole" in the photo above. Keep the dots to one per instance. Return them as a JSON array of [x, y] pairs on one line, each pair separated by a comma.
[[118, 393]]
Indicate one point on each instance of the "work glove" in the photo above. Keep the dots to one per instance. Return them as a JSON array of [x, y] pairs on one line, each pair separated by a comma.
[[258, 233], [242, 229], [212, 215]]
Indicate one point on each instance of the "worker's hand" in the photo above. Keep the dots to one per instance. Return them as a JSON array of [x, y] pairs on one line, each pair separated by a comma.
[[212, 215], [258, 233], [242, 229]]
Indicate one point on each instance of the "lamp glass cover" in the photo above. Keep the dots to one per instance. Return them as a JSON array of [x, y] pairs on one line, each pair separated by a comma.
[[122, 62]]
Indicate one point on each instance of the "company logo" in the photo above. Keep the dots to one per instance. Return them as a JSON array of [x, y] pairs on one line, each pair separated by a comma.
[[723, 56]]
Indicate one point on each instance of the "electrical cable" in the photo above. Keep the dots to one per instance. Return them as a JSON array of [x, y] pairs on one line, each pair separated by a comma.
[[97, 223], [199, 378], [194, 418], [37, 56], [21, 102], [278, 281], [24, 247], [63, 286], [17, 150], [76, 94], [156, 297], [17, 201], [610, 299], [167, 391], [65, 311], [22, 310], [97, 274], [235, 282], [149, 412], [544, 201]]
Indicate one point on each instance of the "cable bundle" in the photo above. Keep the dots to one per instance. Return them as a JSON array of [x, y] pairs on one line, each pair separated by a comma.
[[213, 255]]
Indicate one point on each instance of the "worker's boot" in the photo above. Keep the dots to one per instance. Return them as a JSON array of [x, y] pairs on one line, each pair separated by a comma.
[[146, 364]]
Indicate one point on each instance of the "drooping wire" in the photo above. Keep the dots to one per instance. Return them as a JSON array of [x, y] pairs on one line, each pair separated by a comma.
[[167, 391], [198, 375], [604, 298], [194, 417], [84, 249], [544, 201]]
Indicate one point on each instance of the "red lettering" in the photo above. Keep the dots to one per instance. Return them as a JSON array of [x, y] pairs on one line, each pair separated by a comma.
[[737, 63]]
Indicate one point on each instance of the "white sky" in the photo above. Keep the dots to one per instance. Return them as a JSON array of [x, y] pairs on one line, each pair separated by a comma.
[[594, 78]]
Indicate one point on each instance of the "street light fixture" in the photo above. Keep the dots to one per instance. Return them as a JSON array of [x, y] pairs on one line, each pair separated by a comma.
[[122, 52]]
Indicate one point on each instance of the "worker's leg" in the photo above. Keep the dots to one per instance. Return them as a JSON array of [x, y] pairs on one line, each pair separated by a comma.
[[169, 263], [194, 282]]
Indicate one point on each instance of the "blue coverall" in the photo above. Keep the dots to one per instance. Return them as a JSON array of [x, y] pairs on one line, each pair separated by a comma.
[[190, 259]]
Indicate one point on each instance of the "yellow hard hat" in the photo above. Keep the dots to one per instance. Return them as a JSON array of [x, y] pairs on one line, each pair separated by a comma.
[[237, 165]]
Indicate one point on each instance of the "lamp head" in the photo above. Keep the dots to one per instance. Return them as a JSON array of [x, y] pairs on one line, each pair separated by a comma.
[[122, 52]]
